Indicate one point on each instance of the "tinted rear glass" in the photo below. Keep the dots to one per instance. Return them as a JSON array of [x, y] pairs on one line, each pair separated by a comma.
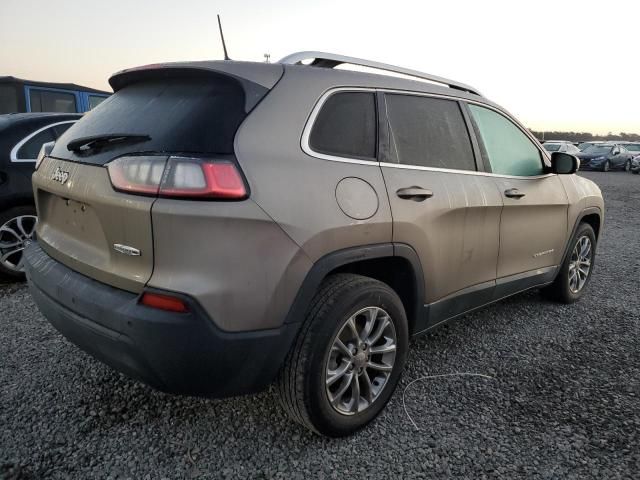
[[30, 150], [346, 126], [429, 132], [198, 115]]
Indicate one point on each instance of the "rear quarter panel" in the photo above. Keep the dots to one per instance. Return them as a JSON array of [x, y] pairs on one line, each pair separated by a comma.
[[297, 190]]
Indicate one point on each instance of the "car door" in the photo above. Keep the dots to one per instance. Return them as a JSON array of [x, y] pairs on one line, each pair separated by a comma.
[[622, 158], [441, 206], [533, 225]]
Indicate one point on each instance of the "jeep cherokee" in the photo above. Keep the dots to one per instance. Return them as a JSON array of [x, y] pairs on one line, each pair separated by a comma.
[[217, 226]]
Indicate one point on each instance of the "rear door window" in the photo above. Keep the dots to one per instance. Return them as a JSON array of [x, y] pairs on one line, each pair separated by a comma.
[[429, 132], [346, 126], [52, 101], [508, 150], [30, 149]]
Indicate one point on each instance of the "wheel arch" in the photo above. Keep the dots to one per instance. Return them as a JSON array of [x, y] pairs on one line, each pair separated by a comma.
[[397, 265], [593, 217]]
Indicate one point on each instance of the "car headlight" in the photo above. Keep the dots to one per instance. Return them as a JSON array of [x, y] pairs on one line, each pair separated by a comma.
[[597, 159]]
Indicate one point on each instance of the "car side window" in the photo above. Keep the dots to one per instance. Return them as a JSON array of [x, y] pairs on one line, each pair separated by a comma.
[[95, 100], [52, 101], [508, 150], [30, 150], [346, 126], [58, 130], [428, 132]]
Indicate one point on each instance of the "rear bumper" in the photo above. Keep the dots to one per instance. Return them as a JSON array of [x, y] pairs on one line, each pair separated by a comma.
[[181, 353]]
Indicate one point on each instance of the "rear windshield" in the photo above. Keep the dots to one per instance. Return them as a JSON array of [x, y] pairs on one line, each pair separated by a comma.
[[552, 147], [199, 115]]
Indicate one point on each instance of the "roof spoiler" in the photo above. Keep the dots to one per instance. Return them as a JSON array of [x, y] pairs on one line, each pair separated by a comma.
[[255, 78]]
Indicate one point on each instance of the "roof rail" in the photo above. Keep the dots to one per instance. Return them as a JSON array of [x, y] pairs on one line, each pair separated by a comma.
[[331, 60]]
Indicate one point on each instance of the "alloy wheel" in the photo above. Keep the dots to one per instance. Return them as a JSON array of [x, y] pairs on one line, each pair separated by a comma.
[[361, 360], [580, 264], [14, 236]]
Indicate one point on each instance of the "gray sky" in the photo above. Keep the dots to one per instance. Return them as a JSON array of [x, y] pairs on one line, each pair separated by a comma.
[[571, 65]]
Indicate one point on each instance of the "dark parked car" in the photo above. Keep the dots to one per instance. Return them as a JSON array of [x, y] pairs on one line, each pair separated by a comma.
[[21, 137], [605, 157]]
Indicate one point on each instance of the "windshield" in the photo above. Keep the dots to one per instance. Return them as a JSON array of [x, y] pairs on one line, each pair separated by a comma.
[[598, 150], [634, 148], [552, 147]]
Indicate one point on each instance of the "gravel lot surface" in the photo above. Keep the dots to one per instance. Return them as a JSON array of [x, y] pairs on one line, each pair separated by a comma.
[[563, 400]]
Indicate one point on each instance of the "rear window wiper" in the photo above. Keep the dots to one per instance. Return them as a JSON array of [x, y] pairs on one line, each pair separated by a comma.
[[97, 141]]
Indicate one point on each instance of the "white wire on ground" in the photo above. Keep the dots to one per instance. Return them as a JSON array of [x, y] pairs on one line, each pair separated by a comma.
[[427, 377]]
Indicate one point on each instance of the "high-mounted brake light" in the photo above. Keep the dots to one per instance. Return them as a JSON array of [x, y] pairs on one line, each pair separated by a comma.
[[180, 177], [163, 302]]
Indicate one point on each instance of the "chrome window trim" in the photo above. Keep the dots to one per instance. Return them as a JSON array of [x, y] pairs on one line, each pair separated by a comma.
[[462, 172], [306, 133], [14, 151]]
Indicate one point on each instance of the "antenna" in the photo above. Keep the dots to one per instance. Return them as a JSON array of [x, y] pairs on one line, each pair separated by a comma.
[[224, 45]]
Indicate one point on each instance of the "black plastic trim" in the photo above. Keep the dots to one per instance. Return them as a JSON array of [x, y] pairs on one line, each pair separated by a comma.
[[482, 295], [183, 353], [584, 213], [347, 256]]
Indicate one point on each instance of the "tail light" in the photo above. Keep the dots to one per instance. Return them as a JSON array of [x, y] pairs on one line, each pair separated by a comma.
[[163, 302], [178, 177]]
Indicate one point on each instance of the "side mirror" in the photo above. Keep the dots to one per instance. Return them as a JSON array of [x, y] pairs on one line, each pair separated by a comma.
[[616, 152], [564, 163]]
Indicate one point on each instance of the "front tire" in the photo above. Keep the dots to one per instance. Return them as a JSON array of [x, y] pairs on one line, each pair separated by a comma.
[[348, 357], [627, 166], [606, 166], [577, 268]]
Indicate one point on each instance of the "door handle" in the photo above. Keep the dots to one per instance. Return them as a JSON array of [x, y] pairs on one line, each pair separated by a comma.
[[417, 194], [513, 193]]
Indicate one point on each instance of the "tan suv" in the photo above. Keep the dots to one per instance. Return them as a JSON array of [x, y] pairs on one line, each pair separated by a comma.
[[215, 226]]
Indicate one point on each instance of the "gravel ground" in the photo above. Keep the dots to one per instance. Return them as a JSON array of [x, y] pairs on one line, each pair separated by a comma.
[[563, 400]]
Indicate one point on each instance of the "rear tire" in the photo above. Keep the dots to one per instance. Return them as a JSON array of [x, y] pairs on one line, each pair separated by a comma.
[[305, 384], [572, 281], [17, 224]]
